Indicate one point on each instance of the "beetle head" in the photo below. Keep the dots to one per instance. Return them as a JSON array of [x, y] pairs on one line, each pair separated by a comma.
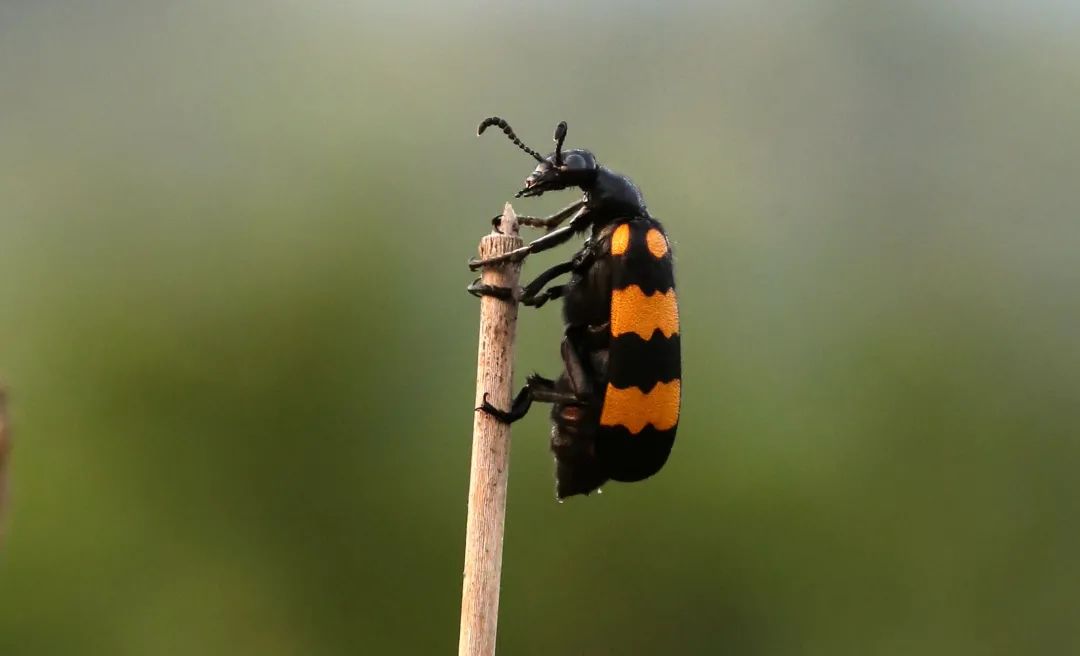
[[559, 170]]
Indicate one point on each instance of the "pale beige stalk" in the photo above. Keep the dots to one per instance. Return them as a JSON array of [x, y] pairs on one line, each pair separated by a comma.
[[490, 450]]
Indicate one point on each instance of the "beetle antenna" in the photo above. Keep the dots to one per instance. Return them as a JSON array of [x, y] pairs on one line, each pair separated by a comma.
[[560, 137], [509, 132]]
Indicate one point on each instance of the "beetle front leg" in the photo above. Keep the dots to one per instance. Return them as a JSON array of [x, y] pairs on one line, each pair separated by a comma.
[[549, 222], [550, 240], [553, 221]]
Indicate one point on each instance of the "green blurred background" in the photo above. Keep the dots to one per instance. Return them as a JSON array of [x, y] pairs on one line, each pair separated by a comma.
[[233, 320]]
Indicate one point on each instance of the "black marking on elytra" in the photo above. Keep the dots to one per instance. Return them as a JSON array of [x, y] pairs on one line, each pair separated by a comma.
[[642, 363]]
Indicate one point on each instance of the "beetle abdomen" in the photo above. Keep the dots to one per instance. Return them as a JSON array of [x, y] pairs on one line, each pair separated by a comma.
[[578, 469]]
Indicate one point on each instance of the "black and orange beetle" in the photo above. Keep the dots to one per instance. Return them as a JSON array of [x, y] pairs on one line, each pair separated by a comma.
[[616, 404]]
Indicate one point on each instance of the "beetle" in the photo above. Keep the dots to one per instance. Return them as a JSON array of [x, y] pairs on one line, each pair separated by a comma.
[[617, 401]]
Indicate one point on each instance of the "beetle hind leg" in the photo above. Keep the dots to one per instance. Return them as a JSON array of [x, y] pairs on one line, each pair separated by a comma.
[[537, 388]]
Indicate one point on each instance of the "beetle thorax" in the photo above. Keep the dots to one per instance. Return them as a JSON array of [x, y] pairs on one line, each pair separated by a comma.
[[615, 194]]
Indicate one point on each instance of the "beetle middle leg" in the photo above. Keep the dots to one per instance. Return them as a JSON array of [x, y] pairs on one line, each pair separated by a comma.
[[533, 299], [534, 293], [478, 289]]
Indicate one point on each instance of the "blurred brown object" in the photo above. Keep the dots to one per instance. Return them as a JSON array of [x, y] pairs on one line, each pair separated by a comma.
[[489, 470]]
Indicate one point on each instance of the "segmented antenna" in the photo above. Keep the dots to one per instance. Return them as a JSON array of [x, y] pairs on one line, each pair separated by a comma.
[[560, 137], [509, 132]]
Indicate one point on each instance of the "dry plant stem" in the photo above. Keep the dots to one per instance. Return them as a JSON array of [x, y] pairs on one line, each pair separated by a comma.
[[5, 449], [491, 450]]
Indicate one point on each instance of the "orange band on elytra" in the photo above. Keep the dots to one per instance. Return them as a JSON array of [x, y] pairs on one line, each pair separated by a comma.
[[635, 409], [634, 312]]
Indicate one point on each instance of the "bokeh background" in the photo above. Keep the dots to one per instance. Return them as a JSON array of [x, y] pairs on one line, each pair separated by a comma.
[[232, 317]]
